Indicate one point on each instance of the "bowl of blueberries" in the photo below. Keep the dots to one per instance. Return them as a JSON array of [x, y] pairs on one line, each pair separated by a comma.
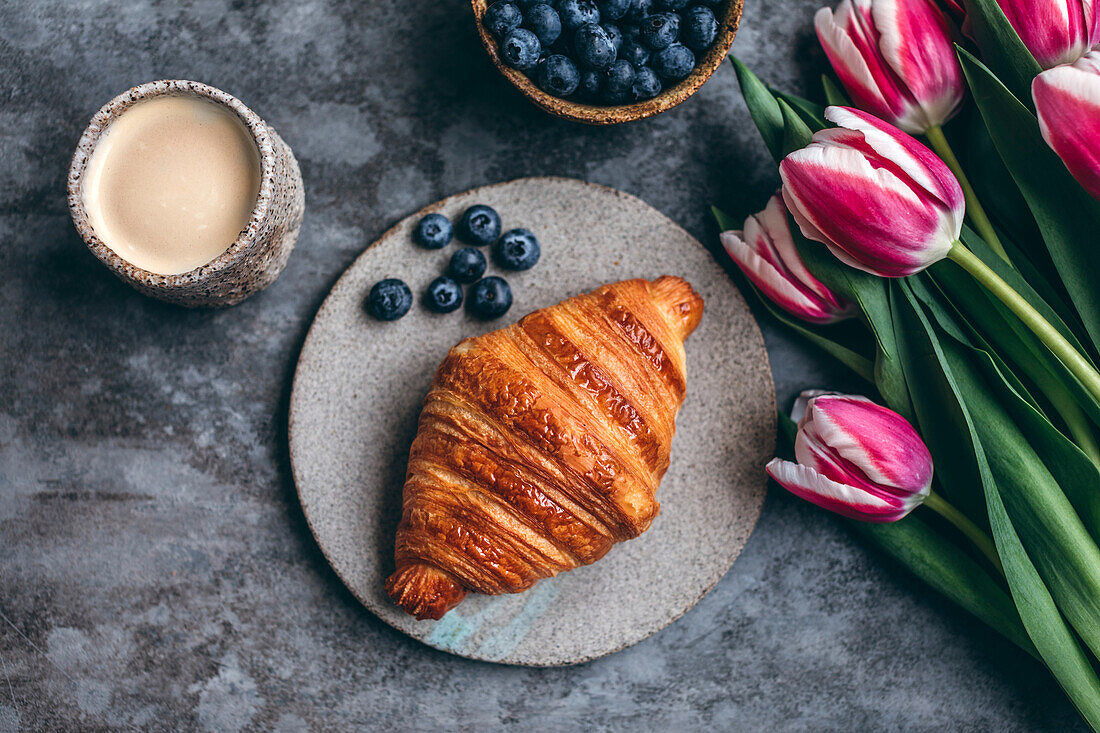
[[607, 61]]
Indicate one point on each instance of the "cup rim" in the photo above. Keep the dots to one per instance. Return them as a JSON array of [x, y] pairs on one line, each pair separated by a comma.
[[101, 122]]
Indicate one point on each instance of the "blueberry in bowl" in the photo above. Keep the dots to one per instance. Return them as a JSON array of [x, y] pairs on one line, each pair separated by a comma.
[[467, 265], [561, 54], [517, 249], [434, 231], [443, 295], [479, 225], [489, 298], [389, 299]]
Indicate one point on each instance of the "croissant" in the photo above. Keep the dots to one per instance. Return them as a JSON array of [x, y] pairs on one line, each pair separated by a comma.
[[542, 444]]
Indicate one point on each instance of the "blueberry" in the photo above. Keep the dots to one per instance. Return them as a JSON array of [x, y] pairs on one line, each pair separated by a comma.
[[674, 62], [673, 5], [558, 75], [590, 84], [639, 9], [629, 29], [434, 231], [635, 53], [575, 13], [593, 46], [613, 9], [646, 84], [618, 80], [525, 4], [467, 265], [614, 34], [502, 18], [544, 22], [389, 299], [443, 295], [518, 249], [479, 225], [700, 28], [660, 30], [490, 298], [520, 49]]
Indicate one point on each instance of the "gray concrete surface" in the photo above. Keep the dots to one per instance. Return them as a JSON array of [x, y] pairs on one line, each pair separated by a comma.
[[155, 569]]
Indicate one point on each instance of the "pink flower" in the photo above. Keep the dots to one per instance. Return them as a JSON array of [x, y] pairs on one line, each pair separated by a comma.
[[1055, 31], [1067, 99], [879, 200], [767, 255], [896, 58], [956, 8], [855, 458]]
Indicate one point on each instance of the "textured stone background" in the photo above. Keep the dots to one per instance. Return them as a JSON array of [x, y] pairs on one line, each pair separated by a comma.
[[155, 569]]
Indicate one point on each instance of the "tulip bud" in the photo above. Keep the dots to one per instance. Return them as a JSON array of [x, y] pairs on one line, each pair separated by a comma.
[[858, 459], [879, 200], [1067, 99], [767, 255], [1055, 31], [896, 58]]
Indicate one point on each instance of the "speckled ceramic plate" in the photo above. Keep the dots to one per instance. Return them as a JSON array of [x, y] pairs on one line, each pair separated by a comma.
[[360, 383]]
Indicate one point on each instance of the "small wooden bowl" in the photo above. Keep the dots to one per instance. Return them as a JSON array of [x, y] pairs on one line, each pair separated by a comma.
[[598, 115]]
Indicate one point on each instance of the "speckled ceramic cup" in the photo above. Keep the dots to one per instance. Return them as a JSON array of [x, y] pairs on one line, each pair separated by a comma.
[[261, 250]]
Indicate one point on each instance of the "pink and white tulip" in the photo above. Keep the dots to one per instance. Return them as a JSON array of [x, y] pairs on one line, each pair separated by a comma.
[[1067, 99], [766, 253], [1055, 31], [896, 58], [858, 459], [879, 200]]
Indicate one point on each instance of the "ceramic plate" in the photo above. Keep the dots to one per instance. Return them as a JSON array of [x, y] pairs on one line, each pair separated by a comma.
[[360, 383]]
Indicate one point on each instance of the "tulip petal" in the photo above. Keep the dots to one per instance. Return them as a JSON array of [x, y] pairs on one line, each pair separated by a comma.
[[1067, 99], [870, 214], [875, 440], [802, 402], [922, 165], [847, 501], [1055, 31], [796, 301], [915, 41]]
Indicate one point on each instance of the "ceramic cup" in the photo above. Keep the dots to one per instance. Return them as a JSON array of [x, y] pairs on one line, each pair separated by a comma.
[[261, 250]]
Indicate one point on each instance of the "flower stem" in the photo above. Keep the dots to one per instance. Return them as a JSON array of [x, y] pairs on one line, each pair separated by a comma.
[[974, 208], [1071, 413], [1031, 318], [981, 540]]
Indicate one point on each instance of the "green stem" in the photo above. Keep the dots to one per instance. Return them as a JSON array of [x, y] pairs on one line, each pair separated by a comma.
[[974, 208], [1077, 423], [981, 540], [1030, 317]]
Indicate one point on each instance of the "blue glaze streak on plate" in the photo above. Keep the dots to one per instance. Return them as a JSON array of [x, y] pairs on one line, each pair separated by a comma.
[[468, 634]]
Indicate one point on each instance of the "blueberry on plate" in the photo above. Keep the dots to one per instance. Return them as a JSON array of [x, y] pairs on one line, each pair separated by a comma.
[[467, 265], [700, 28], [614, 34], [660, 30], [618, 80], [521, 49], [479, 225], [558, 75], [575, 13], [434, 231], [613, 9], [593, 46], [544, 22], [389, 299], [589, 88], [635, 53], [674, 62], [489, 298], [443, 295], [639, 10], [518, 249], [502, 18], [646, 84]]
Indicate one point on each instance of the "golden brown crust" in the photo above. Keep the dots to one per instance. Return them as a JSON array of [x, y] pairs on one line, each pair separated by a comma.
[[542, 444]]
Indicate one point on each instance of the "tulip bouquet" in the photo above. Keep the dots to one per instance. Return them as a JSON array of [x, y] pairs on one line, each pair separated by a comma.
[[963, 288]]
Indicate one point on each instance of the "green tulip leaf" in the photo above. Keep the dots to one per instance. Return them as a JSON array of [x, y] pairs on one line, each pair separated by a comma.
[[834, 95], [1002, 48], [811, 113], [1067, 216], [796, 133], [763, 108]]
